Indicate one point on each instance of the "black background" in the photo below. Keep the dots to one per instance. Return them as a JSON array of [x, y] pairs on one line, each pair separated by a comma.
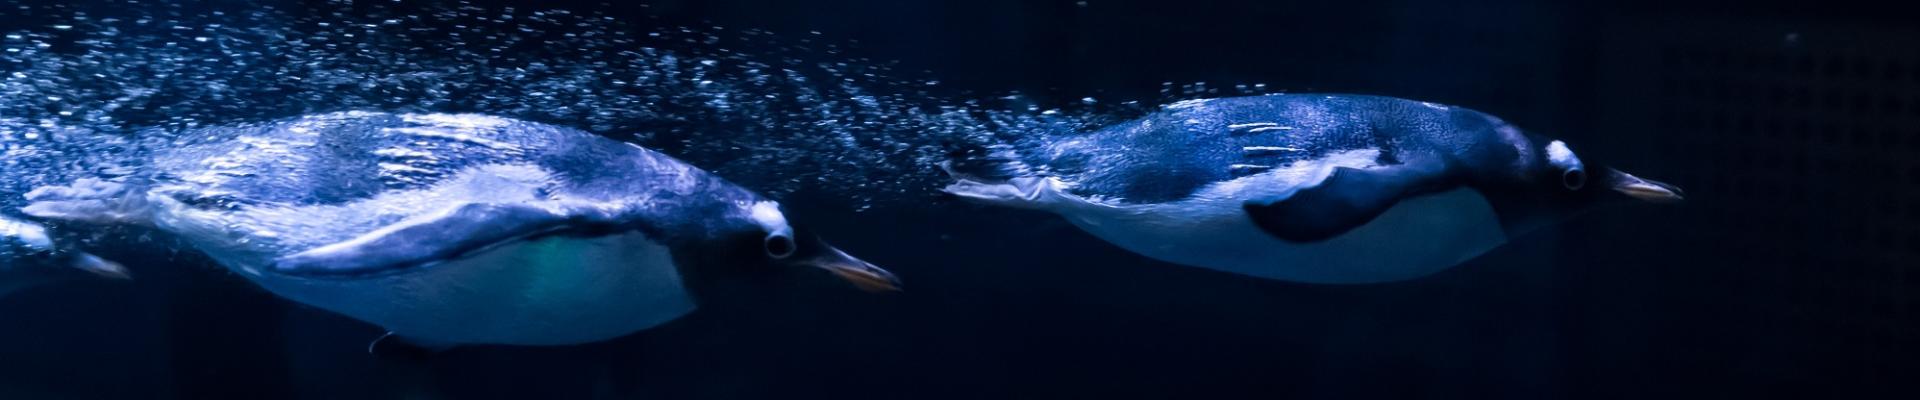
[[1791, 273]]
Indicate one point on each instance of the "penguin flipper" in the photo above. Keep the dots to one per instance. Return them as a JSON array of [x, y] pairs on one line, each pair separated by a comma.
[[423, 240], [1346, 199]]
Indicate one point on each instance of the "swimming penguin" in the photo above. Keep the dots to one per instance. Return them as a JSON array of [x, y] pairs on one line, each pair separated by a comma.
[[454, 229], [28, 257], [1307, 188]]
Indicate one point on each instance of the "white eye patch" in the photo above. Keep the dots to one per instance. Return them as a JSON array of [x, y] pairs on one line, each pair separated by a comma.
[[1560, 156], [768, 215], [1573, 175]]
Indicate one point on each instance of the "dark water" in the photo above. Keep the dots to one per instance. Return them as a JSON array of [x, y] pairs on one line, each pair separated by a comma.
[[1789, 274]]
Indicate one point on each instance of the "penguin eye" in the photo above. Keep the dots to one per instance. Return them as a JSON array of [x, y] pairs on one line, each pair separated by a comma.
[[1574, 178], [779, 245]]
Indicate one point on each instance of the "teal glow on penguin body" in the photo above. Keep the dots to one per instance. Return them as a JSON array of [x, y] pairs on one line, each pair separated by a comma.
[[453, 229], [1307, 188]]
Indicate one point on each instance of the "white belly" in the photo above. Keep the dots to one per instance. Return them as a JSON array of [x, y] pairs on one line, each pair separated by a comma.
[[551, 291], [1415, 238]]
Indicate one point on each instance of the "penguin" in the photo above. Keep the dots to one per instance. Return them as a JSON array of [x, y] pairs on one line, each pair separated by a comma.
[[454, 229], [1314, 188], [29, 257]]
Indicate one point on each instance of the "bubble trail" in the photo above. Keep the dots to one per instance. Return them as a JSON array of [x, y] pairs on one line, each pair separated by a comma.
[[80, 84]]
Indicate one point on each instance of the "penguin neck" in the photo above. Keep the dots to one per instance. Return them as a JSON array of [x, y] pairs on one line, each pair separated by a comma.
[[1520, 215]]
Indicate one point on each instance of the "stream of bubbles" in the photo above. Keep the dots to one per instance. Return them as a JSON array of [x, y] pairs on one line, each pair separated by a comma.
[[776, 112]]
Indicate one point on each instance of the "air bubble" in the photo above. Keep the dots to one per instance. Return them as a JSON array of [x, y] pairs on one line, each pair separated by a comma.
[[785, 115]]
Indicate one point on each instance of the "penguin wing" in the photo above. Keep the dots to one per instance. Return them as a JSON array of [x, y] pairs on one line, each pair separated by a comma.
[[1346, 199], [423, 240]]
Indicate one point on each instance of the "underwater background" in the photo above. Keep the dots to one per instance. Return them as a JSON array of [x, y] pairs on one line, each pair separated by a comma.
[[1791, 272]]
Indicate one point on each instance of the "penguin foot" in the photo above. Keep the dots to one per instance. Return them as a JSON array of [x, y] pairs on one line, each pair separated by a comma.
[[1022, 192]]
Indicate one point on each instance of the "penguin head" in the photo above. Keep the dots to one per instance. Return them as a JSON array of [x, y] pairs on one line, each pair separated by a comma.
[[784, 245], [1554, 183], [761, 241]]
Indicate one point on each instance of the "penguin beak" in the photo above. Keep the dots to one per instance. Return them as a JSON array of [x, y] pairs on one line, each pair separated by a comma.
[[1645, 190], [860, 273]]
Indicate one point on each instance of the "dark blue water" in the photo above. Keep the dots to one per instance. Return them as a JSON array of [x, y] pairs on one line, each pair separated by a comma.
[[1789, 274]]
